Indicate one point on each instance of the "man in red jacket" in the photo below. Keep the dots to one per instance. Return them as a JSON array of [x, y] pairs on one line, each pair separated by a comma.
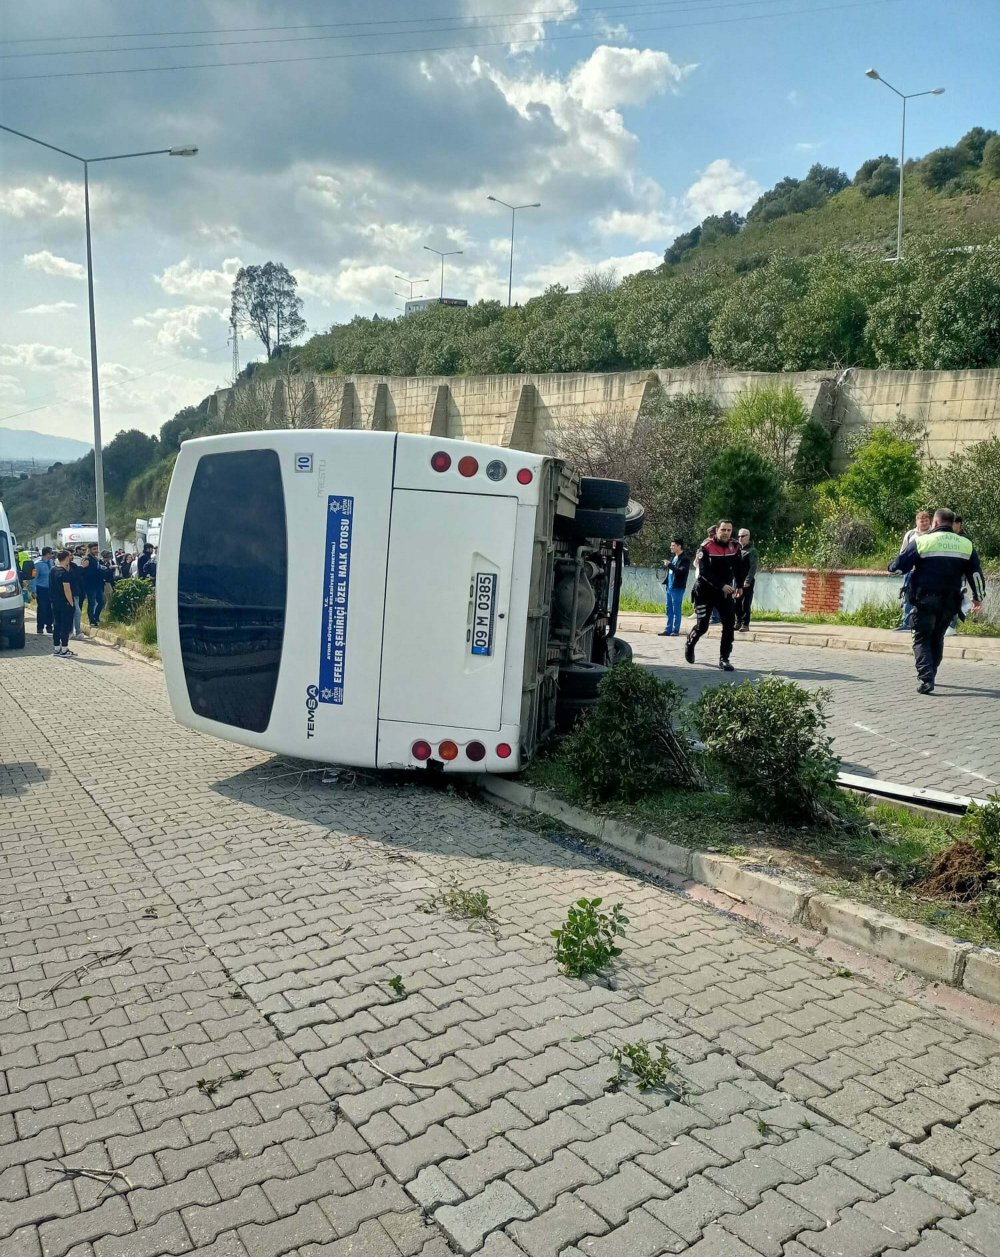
[[721, 573]]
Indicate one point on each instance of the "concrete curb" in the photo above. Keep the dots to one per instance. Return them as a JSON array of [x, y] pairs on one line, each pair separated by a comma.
[[779, 634], [903, 943], [102, 637]]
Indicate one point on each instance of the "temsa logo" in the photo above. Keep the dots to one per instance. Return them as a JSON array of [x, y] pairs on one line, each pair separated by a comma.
[[312, 702]]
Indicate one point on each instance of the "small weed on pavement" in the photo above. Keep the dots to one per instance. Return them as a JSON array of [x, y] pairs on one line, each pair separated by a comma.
[[466, 905], [586, 942], [636, 1063], [395, 985]]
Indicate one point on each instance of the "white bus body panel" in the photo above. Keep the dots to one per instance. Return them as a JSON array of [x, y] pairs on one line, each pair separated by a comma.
[[418, 540], [354, 465]]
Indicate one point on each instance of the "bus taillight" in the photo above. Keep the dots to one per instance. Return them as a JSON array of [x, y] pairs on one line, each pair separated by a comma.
[[476, 751], [525, 476], [468, 466], [421, 751], [448, 751], [440, 461]]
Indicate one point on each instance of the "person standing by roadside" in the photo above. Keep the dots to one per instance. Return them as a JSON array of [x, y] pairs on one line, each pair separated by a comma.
[[750, 558], [922, 524], [63, 604], [93, 584], [675, 582], [79, 591], [43, 611], [941, 561], [719, 584], [143, 560]]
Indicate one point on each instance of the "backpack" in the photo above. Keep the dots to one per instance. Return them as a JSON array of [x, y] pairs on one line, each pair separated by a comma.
[[27, 570]]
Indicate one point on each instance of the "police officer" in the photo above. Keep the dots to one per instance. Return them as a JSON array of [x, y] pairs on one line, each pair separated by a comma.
[[941, 561]]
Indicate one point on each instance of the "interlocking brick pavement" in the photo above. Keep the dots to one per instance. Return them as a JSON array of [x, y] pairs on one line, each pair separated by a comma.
[[195, 952], [881, 727]]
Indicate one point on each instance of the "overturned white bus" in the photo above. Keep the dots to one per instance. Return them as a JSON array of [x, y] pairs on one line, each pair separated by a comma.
[[387, 600]]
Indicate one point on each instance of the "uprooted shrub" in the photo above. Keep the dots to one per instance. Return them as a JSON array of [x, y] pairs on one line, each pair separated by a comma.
[[627, 747], [982, 823], [768, 741]]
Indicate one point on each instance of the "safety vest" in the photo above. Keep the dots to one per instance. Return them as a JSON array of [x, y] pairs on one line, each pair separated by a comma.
[[943, 543]]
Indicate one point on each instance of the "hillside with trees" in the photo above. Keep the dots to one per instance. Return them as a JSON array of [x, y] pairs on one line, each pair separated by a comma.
[[806, 280]]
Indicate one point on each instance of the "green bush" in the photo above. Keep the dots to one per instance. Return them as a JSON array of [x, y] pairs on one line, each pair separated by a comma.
[[982, 823], [768, 740], [128, 597], [745, 487], [991, 157], [145, 622], [883, 479], [586, 942], [969, 483], [771, 421], [626, 747]]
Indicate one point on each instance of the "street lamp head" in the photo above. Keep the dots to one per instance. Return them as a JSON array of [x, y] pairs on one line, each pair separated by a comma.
[[873, 74], [184, 150], [937, 91], [491, 197], [534, 205]]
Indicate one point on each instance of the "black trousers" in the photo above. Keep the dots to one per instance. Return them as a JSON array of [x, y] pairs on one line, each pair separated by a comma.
[[707, 599], [743, 607], [43, 611], [62, 626], [933, 612]]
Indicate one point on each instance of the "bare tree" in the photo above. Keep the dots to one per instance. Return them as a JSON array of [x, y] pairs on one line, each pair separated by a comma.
[[281, 397], [595, 282]]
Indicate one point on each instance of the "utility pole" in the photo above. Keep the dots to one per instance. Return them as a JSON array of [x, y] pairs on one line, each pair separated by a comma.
[[451, 254], [234, 340], [178, 151], [513, 213], [904, 97]]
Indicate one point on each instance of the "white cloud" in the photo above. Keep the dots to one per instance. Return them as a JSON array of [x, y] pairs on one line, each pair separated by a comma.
[[10, 387], [611, 77], [179, 327], [52, 264], [535, 15], [53, 307], [50, 198], [793, 98], [37, 357], [357, 281], [568, 268], [637, 225], [185, 279], [721, 186], [808, 146]]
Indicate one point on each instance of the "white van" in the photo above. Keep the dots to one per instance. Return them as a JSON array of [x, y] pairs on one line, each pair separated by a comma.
[[11, 595], [386, 600], [76, 535]]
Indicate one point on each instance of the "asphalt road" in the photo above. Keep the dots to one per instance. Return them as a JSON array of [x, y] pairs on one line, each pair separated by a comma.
[[881, 726]]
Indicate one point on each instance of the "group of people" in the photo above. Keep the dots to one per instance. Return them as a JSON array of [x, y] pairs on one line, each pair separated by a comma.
[[65, 582], [725, 574], [137, 565]]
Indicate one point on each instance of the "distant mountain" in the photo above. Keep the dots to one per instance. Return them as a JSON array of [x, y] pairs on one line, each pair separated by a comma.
[[21, 445]]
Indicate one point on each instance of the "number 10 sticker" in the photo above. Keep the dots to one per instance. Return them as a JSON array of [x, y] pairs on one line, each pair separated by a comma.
[[303, 462]]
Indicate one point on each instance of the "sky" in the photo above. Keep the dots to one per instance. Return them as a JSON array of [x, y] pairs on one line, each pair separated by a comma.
[[367, 129]]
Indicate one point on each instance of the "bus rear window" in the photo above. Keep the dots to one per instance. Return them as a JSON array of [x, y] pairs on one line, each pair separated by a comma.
[[232, 587]]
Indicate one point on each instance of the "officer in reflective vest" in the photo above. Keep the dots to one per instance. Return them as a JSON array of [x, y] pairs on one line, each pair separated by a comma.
[[941, 562]]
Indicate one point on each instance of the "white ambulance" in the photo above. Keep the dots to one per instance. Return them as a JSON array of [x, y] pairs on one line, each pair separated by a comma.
[[386, 600]]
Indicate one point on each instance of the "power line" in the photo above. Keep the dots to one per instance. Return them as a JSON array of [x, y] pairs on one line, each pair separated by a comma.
[[539, 14], [390, 52], [478, 22]]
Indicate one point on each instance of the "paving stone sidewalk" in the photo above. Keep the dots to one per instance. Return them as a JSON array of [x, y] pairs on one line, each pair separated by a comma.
[[200, 1051]]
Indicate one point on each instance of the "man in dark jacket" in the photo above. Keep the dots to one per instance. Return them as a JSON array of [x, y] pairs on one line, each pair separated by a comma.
[[675, 582], [941, 561], [144, 560], [721, 572], [751, 558]]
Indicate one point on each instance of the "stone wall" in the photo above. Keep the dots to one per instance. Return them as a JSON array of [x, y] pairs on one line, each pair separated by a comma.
[[958, 408]]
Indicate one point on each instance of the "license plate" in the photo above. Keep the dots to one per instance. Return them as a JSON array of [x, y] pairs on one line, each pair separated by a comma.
[[484, 597]]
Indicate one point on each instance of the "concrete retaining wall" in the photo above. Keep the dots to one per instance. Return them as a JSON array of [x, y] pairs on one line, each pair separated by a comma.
[[958, 408]]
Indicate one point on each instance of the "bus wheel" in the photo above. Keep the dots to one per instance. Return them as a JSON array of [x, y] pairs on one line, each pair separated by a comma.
[[597, 494], [635, 517], [580, 680]]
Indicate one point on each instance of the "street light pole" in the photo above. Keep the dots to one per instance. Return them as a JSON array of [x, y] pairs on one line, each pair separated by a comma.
[[403, 280], [184, 151], [904, 97], [513, 211], [452, 253]]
